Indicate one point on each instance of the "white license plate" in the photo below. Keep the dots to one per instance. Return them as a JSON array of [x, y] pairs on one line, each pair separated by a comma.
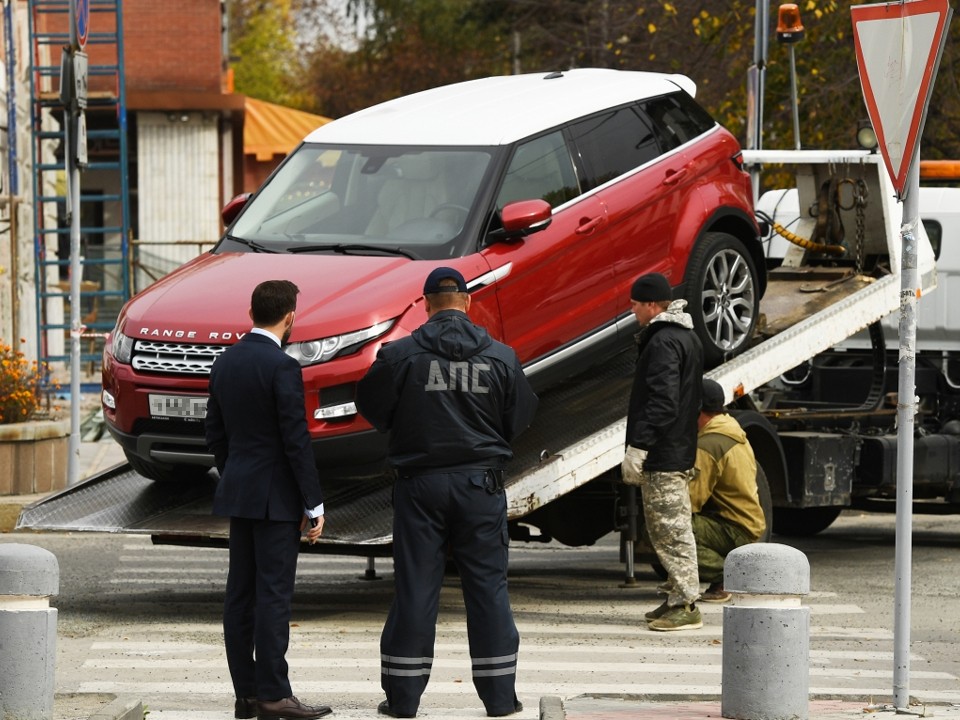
[[178, 406]]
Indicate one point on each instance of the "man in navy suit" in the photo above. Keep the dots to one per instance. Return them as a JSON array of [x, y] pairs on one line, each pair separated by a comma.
[[269, 488]]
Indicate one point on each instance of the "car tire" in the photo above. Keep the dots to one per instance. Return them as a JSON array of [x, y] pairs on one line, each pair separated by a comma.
[[722, 291], [166, 473]]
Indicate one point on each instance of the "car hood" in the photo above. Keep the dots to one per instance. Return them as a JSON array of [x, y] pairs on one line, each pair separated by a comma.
[[208, 299]]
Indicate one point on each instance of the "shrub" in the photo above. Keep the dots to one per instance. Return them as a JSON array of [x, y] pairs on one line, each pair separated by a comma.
[[21, 385]]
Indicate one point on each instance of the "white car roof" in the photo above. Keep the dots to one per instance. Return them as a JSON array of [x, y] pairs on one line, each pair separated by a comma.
[[496, 110]]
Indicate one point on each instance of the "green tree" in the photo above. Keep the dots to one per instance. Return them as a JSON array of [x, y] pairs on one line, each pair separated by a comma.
[[408, 46], [264, 56], [414, 44]]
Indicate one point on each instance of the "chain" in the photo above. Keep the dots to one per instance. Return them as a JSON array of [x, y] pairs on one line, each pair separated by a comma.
[[860, 201]]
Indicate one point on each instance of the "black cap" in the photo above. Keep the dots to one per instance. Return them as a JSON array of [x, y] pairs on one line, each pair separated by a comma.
[[711, 400], [652, 287], [432, 285]]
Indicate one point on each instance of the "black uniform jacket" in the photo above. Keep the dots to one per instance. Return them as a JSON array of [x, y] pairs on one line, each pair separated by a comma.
[[665, 400], [450, 395]]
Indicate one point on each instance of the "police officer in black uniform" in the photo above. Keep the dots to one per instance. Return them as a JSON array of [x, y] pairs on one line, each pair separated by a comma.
[[452, 399]]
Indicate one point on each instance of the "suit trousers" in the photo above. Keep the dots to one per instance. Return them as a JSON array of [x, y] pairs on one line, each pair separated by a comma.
[[257, 608], [464, 512]]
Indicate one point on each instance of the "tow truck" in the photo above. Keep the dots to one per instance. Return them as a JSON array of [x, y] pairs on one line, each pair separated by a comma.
[[817, 452]]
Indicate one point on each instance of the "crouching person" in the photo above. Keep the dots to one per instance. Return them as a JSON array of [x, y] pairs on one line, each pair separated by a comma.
[[723, 495]]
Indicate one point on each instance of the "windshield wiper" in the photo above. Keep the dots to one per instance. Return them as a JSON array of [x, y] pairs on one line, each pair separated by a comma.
[[354, 249], [252, 244]]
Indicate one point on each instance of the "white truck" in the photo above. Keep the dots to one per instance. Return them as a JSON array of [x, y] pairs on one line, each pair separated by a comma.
[[820, 445]]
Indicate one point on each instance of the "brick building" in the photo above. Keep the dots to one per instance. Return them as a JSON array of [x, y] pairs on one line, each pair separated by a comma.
[[165, 152]]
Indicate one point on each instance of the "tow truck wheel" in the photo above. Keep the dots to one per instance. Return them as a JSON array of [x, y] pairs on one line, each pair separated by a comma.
[[723, 296], [166, 473], [804, 522]]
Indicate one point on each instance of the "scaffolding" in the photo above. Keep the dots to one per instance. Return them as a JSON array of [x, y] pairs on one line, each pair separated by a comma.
[[105, 187]]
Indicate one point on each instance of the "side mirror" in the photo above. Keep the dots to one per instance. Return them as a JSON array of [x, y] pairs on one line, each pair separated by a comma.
[[523, 218], [233, 208]]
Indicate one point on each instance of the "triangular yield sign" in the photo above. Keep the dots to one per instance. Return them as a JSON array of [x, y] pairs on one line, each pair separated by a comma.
[[898, 48]]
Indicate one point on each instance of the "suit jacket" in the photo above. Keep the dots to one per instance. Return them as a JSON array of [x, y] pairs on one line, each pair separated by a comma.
[[256, 428]]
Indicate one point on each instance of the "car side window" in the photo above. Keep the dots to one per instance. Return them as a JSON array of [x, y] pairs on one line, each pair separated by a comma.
[[614, 142], [541, 169], [677, 119]]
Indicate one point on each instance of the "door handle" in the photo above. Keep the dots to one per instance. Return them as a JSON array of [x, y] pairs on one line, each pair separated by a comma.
[[674, 176], [588, 225]]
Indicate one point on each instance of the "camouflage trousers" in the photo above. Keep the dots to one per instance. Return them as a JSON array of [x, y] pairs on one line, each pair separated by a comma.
[[666, 514]]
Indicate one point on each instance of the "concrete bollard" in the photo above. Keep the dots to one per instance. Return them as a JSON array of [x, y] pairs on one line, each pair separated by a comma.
[[766, 634], [29, 575]]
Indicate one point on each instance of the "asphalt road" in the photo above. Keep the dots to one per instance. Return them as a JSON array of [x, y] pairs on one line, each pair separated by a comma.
[[144, 620]]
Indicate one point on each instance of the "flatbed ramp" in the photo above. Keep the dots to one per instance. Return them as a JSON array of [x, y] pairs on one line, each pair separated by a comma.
[[120, 500], [578, 435], [358, 514]]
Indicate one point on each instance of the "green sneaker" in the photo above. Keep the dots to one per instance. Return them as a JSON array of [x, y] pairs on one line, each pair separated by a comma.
[[657, 612], [682, 617]]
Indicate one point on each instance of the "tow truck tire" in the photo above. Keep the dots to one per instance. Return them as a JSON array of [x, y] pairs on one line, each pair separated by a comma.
[[166, 473], [766, 504], [804, 522], [722, 291]]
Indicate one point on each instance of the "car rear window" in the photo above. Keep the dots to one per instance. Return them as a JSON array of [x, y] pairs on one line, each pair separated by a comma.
[[677, 118], [614, 142], [617, 141]]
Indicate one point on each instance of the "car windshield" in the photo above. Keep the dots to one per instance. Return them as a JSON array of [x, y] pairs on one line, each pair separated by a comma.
[[417, 202]]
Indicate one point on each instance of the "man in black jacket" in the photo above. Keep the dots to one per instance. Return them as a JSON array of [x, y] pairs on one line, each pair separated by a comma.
[[662, 443], [452, 399], [269, 488]]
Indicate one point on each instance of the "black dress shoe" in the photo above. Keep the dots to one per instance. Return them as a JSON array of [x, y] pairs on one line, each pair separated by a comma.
[[291, 709], [385, 709], [517, 707], [245, 708]]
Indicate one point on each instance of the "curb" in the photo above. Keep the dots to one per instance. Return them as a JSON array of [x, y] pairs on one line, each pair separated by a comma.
[[123, 708], [551, 708]]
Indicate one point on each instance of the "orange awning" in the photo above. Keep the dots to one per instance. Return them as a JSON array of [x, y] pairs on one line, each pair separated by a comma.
[[270, 130]]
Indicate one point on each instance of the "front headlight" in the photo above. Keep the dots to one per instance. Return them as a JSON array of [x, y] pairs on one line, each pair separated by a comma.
[[312, 352], [121, 346]]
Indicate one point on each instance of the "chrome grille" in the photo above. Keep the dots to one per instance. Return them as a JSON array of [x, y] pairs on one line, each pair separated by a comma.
[[175, 358]]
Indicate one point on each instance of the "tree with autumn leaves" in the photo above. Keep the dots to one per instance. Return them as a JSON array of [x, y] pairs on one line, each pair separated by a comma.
[[396, 47]]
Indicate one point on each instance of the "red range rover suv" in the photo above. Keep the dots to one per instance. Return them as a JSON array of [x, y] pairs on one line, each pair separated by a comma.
[[549, 192]]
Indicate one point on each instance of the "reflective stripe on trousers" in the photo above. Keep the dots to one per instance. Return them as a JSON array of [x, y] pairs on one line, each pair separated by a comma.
[[405, 667], [493, 666]]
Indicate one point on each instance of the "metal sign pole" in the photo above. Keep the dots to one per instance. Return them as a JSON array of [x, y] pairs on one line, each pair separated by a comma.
[[73, 192], [899, 46], [756, 75], [906, 410], [73, 93]]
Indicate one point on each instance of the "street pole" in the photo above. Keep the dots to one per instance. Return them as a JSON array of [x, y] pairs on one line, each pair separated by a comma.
[[906, 410], [756, 75], [794, 100], [789, 32], [73, 193], [73, 84]]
